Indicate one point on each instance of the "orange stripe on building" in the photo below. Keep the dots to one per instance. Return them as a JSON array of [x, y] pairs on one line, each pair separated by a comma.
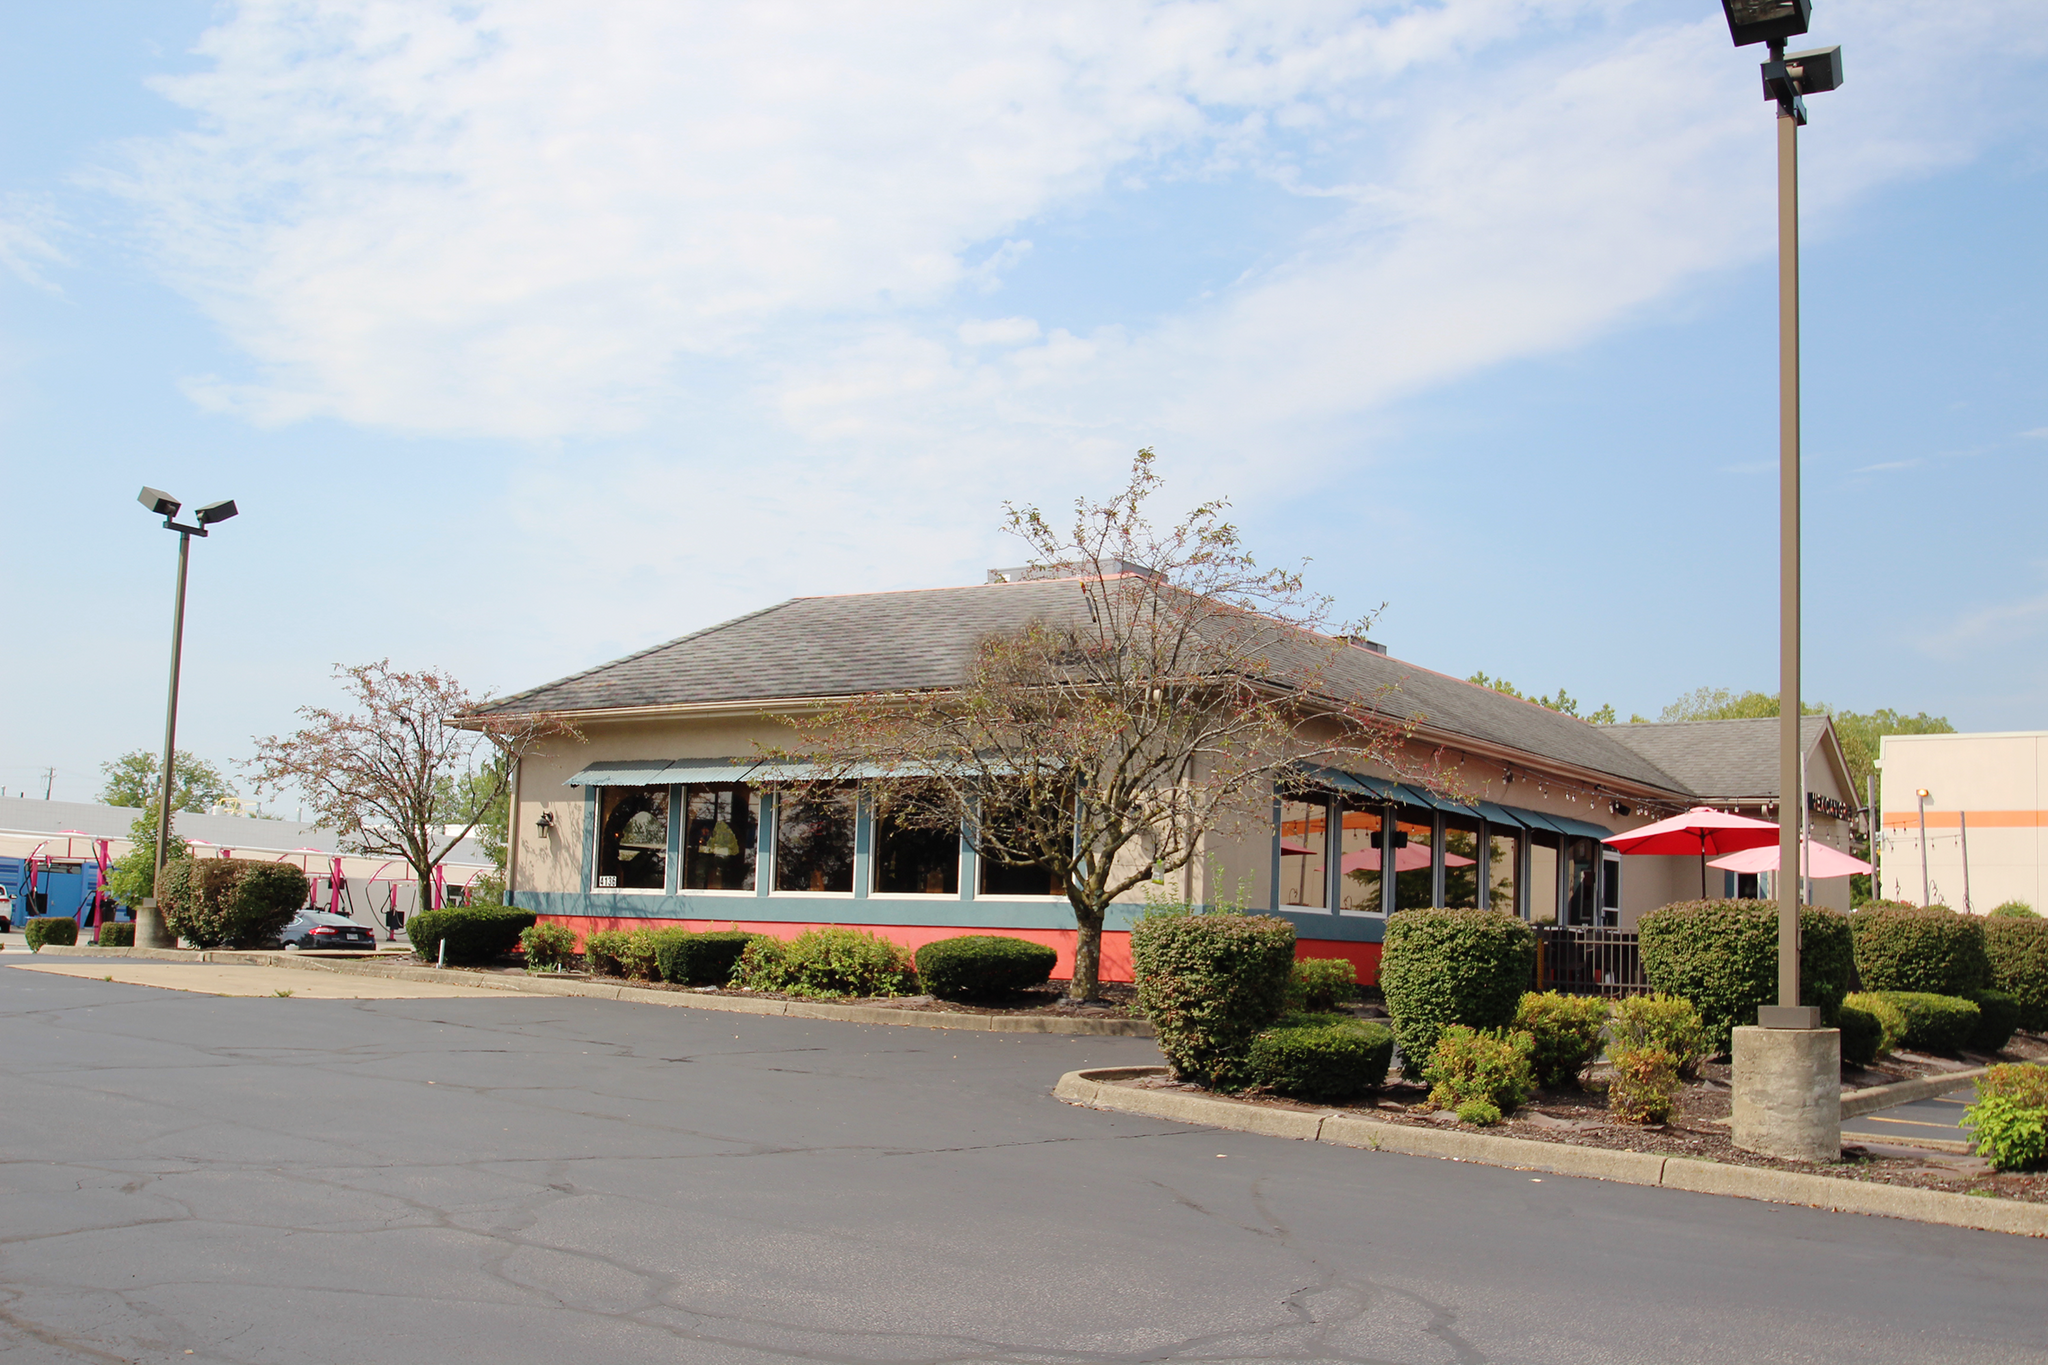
[[1979, 819]]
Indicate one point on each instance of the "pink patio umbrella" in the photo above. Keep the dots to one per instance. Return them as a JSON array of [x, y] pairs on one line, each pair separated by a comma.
[[1701, 830], [1821, 861]]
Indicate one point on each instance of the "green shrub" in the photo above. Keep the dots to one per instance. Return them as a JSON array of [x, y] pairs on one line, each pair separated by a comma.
[[473, 937], [1998, 1014], [1891, 1020], [1922, 1021], [239, 902], [1444, 967], [1321, 983], [1666, 1023], [2017, 952], [1209, 984], [2022, 1083], [1862, 1035], [1473, 1064], [1566, 1030], [548, 947], [603, 949], [2010, 1135], [1722, 955], [708, 959], [58, 930], [825, 962], [1323, 1058], [1930, 949], [2014, 910], [1479, 1113], [1645, 1084], [983, 964], [116, 934]]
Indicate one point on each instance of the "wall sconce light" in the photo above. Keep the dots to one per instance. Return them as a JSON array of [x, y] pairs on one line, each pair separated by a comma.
[[546, 821]]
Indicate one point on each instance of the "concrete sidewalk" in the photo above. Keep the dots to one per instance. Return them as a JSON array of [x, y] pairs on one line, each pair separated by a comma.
[[206, 978]]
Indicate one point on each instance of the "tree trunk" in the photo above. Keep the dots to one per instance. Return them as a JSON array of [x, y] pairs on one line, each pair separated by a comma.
[[1087, 983]]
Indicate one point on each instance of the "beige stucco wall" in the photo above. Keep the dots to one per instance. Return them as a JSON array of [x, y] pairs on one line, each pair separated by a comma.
[[1994, 787]]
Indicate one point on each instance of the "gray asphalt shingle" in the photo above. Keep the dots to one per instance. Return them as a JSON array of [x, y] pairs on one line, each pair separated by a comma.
[[1724, 759]]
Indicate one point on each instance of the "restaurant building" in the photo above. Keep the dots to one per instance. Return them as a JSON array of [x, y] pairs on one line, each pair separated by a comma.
[[663, 810]]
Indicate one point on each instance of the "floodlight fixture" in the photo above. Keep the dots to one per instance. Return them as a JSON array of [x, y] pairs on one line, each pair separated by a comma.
[[1766, 21], [158, 502], [216, 512]]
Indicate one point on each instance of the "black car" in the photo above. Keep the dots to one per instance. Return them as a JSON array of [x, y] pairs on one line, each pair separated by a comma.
[[318, 929]]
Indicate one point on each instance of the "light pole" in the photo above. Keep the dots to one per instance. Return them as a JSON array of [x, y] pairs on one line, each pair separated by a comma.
[[1773, 1072], [1926, 890], [149, 924]]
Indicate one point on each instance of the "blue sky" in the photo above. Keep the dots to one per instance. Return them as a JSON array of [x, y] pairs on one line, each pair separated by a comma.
[[527, 334]]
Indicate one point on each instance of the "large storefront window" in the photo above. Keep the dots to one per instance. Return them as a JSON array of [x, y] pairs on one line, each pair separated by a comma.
[[719, 837], [814, 840], [1305, 854], [1461, 863], [632, 839], [1360, 858], [1503, 870], [917, 849], [1542, 877], [1414, 833], [999, 878]]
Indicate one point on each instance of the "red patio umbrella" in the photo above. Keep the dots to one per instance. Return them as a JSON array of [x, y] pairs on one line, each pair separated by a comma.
[[1701, 830]]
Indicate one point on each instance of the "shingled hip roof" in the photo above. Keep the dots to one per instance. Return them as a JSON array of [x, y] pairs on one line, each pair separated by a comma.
[[824, 647]]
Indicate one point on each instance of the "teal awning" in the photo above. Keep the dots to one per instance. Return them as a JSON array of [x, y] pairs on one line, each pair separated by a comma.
[[1350, 784], [1581, 829], [622, 772], [1536, 820]]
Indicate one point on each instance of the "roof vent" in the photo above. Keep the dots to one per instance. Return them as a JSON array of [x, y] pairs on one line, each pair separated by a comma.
[[1374, 645], [1028, 572]]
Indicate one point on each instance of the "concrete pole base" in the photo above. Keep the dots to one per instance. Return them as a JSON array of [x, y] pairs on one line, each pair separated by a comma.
[[1788, 1092], [150, 931]]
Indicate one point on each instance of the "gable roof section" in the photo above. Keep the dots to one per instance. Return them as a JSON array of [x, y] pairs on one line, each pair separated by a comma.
[[1721, 760], [908, 641]]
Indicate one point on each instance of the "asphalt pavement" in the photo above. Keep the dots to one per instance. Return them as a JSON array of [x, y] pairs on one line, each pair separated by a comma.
[[200, 1178]]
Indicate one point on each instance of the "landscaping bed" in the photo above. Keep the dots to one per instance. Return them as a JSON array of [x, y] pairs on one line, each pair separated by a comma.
[[1698, 1127], [1119, 1001]]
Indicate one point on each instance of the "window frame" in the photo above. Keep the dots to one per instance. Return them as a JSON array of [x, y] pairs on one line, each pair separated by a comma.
[[761, 819], [597, 837], [854, 880]]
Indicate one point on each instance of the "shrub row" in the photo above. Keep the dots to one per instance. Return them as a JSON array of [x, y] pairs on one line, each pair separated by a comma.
[[60, 930], [827, 961], [472, 937], [1921, 1020], [983, 964], [1929, 949], [1722, 955], [1322, 1058], [2016, 951]]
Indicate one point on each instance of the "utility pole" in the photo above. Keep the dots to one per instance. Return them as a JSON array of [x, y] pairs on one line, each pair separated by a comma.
[[49, 781]]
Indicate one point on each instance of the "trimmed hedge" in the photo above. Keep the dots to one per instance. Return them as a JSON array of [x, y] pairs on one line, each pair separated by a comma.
[[59, 930], [1722, 955], [239, 902], [1930, 949], [1322, 1058], [2014, 910], [474, 937], [707, 959], [1566, 1030], [983, 964], [2016, 950], [1445, 967], [1209, 984], [1998, 1014], [116, 934], [1922, 1021], [1320, 984], [1862, 1035], [824, 962]]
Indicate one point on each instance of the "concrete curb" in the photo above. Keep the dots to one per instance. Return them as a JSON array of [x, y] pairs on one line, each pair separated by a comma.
[[1857, 1103], [396, 969], [1097, 1089]]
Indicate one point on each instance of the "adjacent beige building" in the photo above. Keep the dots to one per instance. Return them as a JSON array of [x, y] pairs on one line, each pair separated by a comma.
[[1964, 819]]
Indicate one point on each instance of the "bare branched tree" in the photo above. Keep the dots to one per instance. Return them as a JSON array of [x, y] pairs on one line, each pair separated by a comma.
[[1101, 743], [380, 774]]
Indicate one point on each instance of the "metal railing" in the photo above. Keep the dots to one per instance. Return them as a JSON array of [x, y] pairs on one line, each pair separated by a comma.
[[1589, 961]]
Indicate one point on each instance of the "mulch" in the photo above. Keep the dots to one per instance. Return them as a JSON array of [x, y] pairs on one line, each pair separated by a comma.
[[1698, 1126]]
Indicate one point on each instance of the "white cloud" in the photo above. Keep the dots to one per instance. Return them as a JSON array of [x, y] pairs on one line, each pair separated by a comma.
[[28, 229], [770, 250]]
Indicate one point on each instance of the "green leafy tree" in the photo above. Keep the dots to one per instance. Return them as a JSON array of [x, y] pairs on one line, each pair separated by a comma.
[[136, 777], [132, 876], [1564, 702]]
